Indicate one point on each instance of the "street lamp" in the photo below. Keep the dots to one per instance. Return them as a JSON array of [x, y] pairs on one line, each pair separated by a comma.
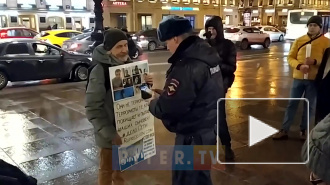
[[97, 34]]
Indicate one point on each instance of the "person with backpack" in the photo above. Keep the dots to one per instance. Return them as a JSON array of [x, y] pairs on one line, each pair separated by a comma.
[[187, 105], [305, 70], [99, 102], [227, 52]]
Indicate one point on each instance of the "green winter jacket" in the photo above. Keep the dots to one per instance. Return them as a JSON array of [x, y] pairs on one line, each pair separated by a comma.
[[99, 102]]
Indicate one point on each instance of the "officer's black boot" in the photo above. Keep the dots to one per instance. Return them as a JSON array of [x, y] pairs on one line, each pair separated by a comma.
[[229, 153]]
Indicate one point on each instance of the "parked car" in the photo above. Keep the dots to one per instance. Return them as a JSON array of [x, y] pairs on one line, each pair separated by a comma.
[[57, 37], [148, 39], [274, 33], [17, 32], [79, 43], [244, 36], [30, 59]]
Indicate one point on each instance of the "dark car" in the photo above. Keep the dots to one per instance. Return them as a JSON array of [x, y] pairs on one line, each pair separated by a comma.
[[29, 59], [148, 39], [79, 43]]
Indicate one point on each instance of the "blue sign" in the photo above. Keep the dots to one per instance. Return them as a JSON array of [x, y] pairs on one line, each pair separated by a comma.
[[181, 9]]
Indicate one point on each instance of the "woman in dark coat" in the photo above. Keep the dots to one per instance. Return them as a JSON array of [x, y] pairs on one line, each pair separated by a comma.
[[323, 88]]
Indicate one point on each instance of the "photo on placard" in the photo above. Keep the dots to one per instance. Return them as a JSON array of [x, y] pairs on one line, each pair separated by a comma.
[[136, 70], [128, 82], [137, 90], [117, 79], [123, 93], [145, 71], [137, 79], [127, 72]]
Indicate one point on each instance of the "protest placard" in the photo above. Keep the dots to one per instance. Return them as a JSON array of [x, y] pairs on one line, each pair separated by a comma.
[[134, 122]]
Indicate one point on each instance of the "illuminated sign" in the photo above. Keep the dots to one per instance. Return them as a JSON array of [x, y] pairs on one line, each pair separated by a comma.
[[119, 3], [179, 8]]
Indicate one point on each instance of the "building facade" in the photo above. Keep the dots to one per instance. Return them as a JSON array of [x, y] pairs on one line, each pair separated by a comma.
[[40, 14], [138, 15]]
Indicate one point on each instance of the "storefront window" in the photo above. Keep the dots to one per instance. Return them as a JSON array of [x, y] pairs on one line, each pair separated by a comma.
[[241, 3], [121, 21], [146, 22], [191, 18], [78, 4], [270, 2], [250, 2], [56, 21]]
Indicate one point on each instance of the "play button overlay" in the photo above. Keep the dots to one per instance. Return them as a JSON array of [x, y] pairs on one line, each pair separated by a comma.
[[252, 122], [259, 131]]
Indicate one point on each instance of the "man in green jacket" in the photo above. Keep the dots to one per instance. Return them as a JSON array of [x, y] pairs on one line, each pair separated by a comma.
[[99, 102]]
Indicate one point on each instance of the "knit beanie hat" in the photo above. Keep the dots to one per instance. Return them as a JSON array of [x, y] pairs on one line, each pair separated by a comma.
[[111, 37], [315, 19], [173, 27], [319, 150]]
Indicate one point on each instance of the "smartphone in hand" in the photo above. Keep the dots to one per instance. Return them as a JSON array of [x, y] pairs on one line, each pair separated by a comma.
[[146, 92]]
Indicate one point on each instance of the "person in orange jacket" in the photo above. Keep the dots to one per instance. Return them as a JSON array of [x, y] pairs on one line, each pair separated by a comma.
[[304, 65]]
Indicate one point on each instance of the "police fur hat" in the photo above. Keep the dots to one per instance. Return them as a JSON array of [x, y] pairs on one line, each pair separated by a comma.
[[111, 37], [319, 150], [172, 27], [315, 19]]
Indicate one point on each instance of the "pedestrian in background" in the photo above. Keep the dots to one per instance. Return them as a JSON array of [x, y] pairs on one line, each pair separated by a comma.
[[302, 65], [323, 88], [319, 153], [227, 52], [188, 104]]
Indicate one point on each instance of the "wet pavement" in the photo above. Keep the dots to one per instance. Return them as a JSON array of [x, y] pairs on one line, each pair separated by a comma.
[[44, 130]]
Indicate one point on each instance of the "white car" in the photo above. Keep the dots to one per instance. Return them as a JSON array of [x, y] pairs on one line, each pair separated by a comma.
[[244, 36], [274, 33], [327, 35]]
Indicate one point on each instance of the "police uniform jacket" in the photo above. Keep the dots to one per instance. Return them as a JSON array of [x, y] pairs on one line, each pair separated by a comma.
[[194, 83]]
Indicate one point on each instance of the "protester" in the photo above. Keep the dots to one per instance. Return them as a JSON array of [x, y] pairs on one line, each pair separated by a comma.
[[323, 88], [227, 52], [99, 103], [302, 65], [188, 104], [319, 153]]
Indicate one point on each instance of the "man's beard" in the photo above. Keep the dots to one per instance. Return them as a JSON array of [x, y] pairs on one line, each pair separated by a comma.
[[123, 57]]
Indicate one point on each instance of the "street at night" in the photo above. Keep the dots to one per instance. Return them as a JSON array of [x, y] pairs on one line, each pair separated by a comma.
[[44, 130]]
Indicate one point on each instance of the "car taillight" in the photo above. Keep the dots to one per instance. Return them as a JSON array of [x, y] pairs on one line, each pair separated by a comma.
[[3, 34]]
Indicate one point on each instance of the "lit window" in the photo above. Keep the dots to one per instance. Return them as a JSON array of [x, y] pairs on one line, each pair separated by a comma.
[[176, 1], [215, 2], [206, 2], [186, 1], [196, 1]]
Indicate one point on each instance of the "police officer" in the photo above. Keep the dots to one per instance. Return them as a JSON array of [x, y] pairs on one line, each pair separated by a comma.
[[188, 104]]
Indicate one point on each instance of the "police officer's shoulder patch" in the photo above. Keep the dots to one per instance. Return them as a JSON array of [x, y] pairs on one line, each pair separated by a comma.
[[172, 86]]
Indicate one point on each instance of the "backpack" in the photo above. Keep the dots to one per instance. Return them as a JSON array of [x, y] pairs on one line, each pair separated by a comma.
[[106, 74]]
